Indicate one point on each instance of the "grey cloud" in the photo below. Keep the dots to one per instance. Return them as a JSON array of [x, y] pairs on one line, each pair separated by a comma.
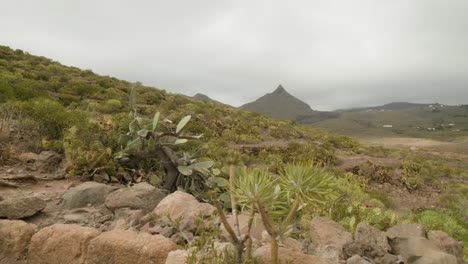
[[330, 53]]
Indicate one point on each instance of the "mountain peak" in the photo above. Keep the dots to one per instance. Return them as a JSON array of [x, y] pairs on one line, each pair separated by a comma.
[[280, 90], [279, 104]]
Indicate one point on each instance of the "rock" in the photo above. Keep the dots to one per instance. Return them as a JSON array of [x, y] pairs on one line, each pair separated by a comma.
[[14, 239], [166, 231], [177, 257], [324, 231], [86, 193], [287, 256], [356, 259], [124, 246], [362, 249], [419, 250], [292, 244], [406, 230], [101, 177], [447, 244], [369, 252], [140, 196], [76, 219], [183, 206], [126, 219], [61, 243], [48, 161], [390, 259], [328, 238], [372, 236], [224, 247], [330, 253], [255, 232], [27, 157], [21, 206], [287, 242]]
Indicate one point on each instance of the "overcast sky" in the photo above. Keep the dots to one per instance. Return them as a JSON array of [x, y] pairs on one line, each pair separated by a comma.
[[331, 54]]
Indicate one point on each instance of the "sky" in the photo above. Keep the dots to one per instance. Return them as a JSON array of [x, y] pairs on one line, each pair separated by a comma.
[[331, 54]]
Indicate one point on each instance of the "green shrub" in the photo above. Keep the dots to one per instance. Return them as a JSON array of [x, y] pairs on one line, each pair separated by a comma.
[[444, 221], [85, 152], [66, 99], [112, 106], [52, 118]]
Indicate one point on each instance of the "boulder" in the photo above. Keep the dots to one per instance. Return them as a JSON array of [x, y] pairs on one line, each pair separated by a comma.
[[419, 250], [372, 236], [447, 244], [21, 206], [47, 161], [61, 243], [76, 219], [328, 238], [287, 256], [356, 259], [362, 249], [256, 230], [224, 247], [14, 239], [286, 242], [126, 219], [324, 231], [367, 251], [177, 257], [92, 193], [124, 246], [141, 196], [406, 230], [183, 206]]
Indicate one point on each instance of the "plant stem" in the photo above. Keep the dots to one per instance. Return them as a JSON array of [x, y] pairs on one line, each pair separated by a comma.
[[226, 225], [292, 212], [234, 200], [171, 170], [266, 220], [274, 251], [248, 248]]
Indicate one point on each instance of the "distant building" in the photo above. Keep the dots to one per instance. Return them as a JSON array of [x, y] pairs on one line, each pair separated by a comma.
[[387, 126]]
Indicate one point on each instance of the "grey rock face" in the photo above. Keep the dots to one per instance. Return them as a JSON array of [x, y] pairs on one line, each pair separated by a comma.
[[86, 193]]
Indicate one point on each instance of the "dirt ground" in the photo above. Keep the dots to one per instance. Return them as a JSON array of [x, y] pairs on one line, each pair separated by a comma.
[[402, 199], [439, 148]]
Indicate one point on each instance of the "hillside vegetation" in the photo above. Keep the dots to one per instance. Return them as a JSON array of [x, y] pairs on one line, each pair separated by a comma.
[[106, 129], [54, 98], [435, 121]]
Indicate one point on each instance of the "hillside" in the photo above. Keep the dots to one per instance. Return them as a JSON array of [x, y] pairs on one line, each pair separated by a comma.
[[77, 147], [435, 121], [389, 106], [205, 98], [27, 81]]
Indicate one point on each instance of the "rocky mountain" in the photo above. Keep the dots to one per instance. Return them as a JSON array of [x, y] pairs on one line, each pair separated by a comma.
[[279, 104]]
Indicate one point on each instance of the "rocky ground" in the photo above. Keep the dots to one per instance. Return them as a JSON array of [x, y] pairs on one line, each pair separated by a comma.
[[45, 218]]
